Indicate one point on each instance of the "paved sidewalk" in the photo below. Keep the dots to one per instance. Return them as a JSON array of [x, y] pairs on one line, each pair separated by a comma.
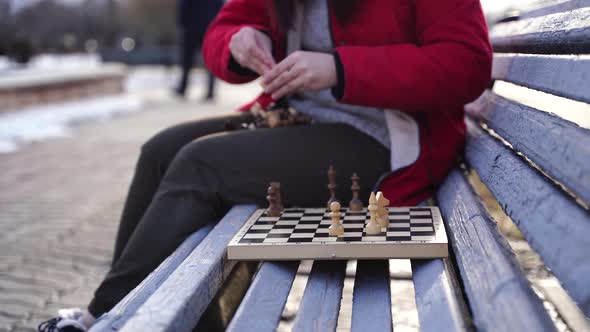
[[60, 202]]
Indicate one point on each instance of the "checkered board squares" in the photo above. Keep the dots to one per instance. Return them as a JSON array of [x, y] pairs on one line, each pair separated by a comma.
[[302, 233]]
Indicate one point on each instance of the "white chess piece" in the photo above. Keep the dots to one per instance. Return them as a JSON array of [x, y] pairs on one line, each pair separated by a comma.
[[373, 227], [382, 212], [336, 228]]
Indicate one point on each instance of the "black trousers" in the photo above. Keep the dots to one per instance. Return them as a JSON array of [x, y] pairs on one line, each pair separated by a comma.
[[191, 174], [190, 43]]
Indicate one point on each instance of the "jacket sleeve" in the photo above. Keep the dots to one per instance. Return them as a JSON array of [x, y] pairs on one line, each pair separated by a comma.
[[449, 66], [235, 15]]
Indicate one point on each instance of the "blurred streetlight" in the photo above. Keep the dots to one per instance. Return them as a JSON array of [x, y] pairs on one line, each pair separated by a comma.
[[128, 44]]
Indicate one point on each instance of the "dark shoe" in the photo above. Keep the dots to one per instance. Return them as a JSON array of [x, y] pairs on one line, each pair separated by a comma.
[[67, 321]]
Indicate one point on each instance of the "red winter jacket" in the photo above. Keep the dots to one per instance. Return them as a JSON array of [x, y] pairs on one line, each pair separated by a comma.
[[426, 58]]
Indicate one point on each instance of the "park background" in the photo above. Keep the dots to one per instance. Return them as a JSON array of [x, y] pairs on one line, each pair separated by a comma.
[[83, 83]]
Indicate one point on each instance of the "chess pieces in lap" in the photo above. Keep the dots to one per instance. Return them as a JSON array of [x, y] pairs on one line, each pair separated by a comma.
[[336, 228], [275, 204]]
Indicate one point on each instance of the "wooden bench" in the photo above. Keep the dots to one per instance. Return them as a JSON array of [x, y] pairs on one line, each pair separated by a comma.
[[537, 166]]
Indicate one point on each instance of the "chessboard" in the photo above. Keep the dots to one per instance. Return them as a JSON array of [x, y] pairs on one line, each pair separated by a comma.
[[302, 233]]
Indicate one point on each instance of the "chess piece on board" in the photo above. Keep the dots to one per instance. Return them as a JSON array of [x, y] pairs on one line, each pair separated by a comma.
[[336, 228], [382, 212], [355, 205], [373, 227], [332, 185], [275, 206]]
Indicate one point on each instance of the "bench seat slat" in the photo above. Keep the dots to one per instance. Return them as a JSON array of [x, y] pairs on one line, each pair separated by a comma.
[[371, 298], [561, 148], [498, 293], [438, 297], [118, 316], [554, 225], [560, 33], [320, 305], [556, 8], [560, 75], [263, 304], [181, 300]]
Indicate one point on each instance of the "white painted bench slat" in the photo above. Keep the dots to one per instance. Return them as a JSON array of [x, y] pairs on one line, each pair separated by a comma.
[[554, 225], [500, 297]]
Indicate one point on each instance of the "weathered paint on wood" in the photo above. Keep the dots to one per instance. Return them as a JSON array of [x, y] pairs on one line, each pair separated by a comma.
[[554, 225], [561, 75], [556, 8], [180, 301], [438, 297], [320, 305], [118, 316], [498, 293], [560, 33], [371, 297], [561, 148], [263, 304]]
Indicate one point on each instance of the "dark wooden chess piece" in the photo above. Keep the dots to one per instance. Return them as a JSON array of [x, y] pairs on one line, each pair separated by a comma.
[[331, 186], [355, 205], [275, 206]]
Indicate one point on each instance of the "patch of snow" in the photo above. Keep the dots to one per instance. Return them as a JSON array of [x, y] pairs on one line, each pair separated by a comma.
[[50, 121]]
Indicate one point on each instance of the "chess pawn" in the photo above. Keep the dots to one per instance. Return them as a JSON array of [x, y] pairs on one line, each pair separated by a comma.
[[336, 228], [373, 227], [382, 212], [355, 205]]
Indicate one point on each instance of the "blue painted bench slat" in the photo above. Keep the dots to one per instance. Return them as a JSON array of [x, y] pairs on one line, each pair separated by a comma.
[[120, 314], [561, 148], [546, 34], [263, 304], [540, 72], [321, 301], [371, 297], [181, 300], [560, 7], [438, 297], [554, 225], [499, 294]]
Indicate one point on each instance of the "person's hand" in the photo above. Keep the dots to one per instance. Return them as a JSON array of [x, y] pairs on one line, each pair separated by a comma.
[[252, 49], [301, 71]]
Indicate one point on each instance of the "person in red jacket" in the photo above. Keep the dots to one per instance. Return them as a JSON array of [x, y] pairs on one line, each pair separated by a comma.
[[383, 82]]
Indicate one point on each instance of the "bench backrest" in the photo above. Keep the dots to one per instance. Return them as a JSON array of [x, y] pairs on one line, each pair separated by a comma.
[[537, 164]]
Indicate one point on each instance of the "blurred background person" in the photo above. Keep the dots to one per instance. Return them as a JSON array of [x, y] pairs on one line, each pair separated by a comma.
[[193, 18]]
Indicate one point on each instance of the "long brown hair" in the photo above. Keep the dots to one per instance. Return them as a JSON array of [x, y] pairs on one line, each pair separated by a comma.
[[281, 11]]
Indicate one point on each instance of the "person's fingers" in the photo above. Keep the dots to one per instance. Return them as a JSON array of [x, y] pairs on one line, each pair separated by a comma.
[[293, 86], [279, 69], [281, 80]]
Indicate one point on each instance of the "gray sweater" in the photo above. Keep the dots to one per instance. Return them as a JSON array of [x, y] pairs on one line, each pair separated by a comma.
[[321, 106]]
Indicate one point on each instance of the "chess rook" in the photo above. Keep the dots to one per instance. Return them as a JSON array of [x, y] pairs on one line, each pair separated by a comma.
[[275, 206], [331, 185], [336, 228], [355, 205]]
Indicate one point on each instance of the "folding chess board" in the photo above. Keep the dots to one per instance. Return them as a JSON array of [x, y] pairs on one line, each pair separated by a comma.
[[413, 232]]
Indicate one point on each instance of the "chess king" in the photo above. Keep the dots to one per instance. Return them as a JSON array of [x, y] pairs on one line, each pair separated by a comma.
[[372, 75]]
